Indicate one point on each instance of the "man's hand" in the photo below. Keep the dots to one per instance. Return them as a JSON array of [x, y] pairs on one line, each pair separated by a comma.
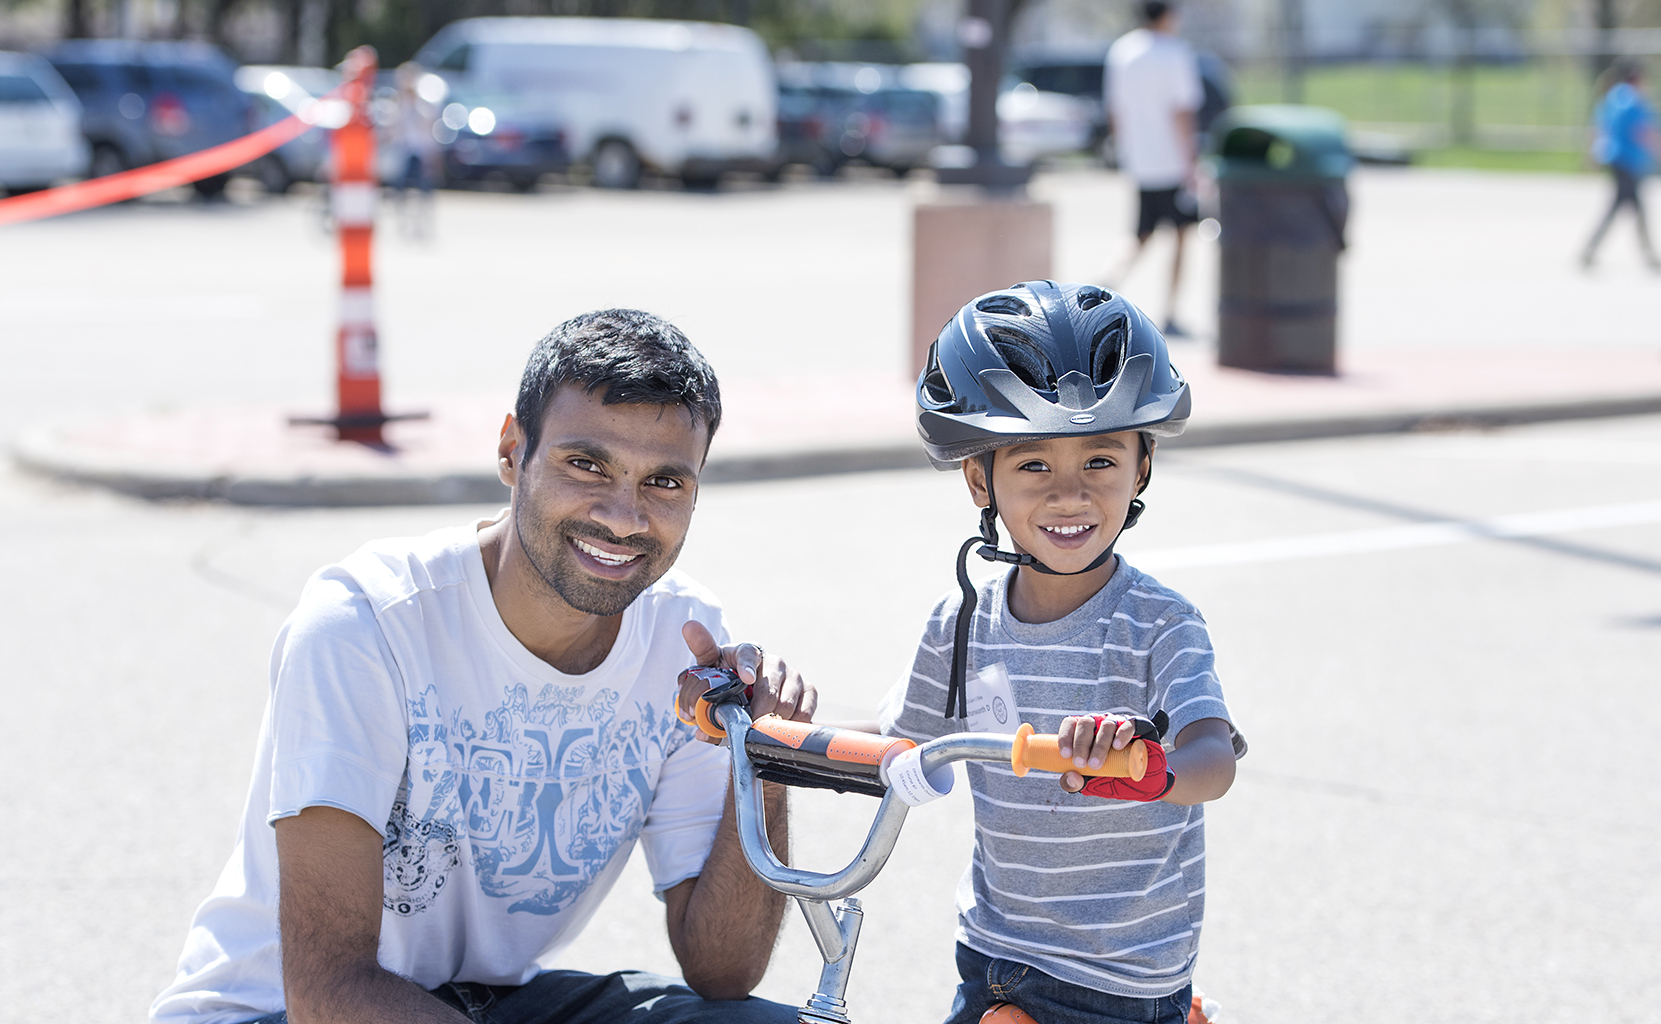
[[777, 688], [724, 922]]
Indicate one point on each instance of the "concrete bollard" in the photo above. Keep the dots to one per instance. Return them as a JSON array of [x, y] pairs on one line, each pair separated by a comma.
[[964, 249]]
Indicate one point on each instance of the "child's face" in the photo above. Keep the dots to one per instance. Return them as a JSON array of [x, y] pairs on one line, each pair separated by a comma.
[[1063, 501]]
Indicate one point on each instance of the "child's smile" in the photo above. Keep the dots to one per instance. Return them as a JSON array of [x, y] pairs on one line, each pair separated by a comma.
[[1070, 536]]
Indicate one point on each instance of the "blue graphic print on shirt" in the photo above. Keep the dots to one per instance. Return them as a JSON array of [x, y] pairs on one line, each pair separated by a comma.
[[544, 791]]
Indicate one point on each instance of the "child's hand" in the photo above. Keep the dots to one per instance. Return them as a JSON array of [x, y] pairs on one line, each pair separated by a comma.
[[1087, 739]]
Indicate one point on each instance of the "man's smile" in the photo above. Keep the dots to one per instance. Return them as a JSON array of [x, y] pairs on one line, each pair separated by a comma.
[[610, 559]]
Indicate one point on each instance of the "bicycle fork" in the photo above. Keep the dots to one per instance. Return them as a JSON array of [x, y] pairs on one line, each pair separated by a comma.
[[837, 932]]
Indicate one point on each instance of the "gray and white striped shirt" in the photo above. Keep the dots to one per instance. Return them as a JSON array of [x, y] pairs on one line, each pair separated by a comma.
[[1105, 894]]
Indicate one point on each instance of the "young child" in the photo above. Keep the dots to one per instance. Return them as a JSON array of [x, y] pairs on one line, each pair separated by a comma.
[[1083, 901]]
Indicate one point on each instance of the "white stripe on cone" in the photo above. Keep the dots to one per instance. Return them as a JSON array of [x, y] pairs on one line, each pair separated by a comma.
[[357, 308], [358, 356], [354, 202]]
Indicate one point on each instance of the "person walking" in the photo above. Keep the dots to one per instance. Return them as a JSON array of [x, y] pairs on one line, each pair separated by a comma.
[[1626, 143], [420, 158], [1152, 81]]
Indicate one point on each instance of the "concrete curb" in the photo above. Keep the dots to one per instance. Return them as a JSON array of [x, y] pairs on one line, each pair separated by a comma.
[[40, 451], [1409, 420]]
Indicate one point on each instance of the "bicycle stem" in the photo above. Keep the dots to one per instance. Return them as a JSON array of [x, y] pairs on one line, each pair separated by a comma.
[[834, 930]]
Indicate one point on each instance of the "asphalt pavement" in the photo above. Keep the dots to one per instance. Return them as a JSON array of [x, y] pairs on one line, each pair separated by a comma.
[[1442, 647]]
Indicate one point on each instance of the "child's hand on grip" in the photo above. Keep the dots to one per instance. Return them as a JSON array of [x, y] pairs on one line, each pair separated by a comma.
[[1088, 738]]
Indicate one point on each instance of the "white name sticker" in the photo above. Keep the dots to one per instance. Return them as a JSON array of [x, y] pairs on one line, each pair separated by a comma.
[[904, 775], [992, 701]]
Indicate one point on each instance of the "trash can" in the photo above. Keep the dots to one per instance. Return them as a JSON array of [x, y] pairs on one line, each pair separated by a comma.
[[1283, 205]]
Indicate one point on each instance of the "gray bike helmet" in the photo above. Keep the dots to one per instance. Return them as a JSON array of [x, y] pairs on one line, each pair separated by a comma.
[[1033, 362], [1044, 360]]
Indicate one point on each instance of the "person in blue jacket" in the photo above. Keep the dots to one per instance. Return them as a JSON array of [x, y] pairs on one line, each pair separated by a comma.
[[1626, 143]]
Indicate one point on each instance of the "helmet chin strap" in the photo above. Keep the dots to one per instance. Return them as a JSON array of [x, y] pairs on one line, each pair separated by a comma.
[[957, 693]]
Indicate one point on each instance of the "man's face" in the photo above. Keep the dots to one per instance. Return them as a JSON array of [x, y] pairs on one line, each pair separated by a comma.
[[1064, 501], [603, 504]]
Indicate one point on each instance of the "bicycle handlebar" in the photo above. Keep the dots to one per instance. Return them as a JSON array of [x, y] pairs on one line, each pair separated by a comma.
[[856, 759], [799, 753]]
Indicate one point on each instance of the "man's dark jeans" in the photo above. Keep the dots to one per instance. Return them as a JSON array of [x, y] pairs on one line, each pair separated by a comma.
[[572, 997]]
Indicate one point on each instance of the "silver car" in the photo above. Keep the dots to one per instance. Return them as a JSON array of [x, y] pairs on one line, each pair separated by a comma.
[[40, 126], [277, 92]]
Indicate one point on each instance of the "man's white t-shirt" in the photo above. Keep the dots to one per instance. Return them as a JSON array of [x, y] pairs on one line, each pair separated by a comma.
[[508, 794], [1151, 77]]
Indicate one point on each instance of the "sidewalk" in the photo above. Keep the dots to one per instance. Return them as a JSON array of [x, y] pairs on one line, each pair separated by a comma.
[[1461, 302], [798, 426]]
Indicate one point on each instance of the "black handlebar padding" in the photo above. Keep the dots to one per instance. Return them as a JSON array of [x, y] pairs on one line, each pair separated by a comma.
[[779, 762]]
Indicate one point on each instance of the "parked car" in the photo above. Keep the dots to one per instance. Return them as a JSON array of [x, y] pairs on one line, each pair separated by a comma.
[[40, 126], [1078, 76], [830, 114], [809, 124], [489, 138], [683, 98], [1032, 123], [1084, 75], [147, 102], [278, 93]]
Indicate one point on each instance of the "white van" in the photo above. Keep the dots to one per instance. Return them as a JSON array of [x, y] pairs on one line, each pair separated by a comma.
[[685, 98]]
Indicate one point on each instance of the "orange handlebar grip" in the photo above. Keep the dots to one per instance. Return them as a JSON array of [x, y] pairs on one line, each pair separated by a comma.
[[1044, 753], [709, 725]]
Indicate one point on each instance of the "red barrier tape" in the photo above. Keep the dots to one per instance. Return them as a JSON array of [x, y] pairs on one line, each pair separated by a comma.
[[142, 181]]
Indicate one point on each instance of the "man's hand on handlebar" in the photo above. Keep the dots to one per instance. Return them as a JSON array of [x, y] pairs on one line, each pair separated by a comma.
[[776, 687]]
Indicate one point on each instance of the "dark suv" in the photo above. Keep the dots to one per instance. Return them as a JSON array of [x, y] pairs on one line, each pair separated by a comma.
[[832, 113], [147, 102]]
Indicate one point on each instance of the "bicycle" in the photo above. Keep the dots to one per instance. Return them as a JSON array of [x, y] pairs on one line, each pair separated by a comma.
[[903, 774]]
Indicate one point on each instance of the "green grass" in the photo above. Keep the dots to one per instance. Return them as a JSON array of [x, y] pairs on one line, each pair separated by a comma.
[[1525, 117], [1556, 161], [1542, 92]]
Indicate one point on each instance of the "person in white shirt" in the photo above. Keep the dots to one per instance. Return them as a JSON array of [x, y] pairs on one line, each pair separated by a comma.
[[1153, 90], [468, 732]]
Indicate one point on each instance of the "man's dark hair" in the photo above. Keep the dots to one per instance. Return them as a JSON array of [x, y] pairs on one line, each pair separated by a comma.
[[1153, 10], [637, 358]]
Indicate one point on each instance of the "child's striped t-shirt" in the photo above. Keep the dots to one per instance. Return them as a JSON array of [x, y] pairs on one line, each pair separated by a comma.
[[1105, 894]]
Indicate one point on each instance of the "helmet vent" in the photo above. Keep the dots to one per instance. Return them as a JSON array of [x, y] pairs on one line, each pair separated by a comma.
[[1026, 360], [1008, 305], [1089, 297], [935, 385], [1107, 352]]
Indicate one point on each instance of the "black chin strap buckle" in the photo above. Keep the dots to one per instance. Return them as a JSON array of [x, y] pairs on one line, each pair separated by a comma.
[[1135, 513]]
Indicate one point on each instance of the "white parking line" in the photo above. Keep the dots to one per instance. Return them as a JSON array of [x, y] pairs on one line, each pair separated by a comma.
[[1395, 538]]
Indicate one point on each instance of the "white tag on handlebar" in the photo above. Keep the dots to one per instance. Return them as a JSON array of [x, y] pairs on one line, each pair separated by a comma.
[[905, 778]]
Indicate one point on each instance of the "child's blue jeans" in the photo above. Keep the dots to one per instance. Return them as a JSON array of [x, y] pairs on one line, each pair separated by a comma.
[[1049, 1000]]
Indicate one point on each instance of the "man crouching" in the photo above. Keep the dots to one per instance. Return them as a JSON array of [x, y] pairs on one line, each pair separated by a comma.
[[468, 731]]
